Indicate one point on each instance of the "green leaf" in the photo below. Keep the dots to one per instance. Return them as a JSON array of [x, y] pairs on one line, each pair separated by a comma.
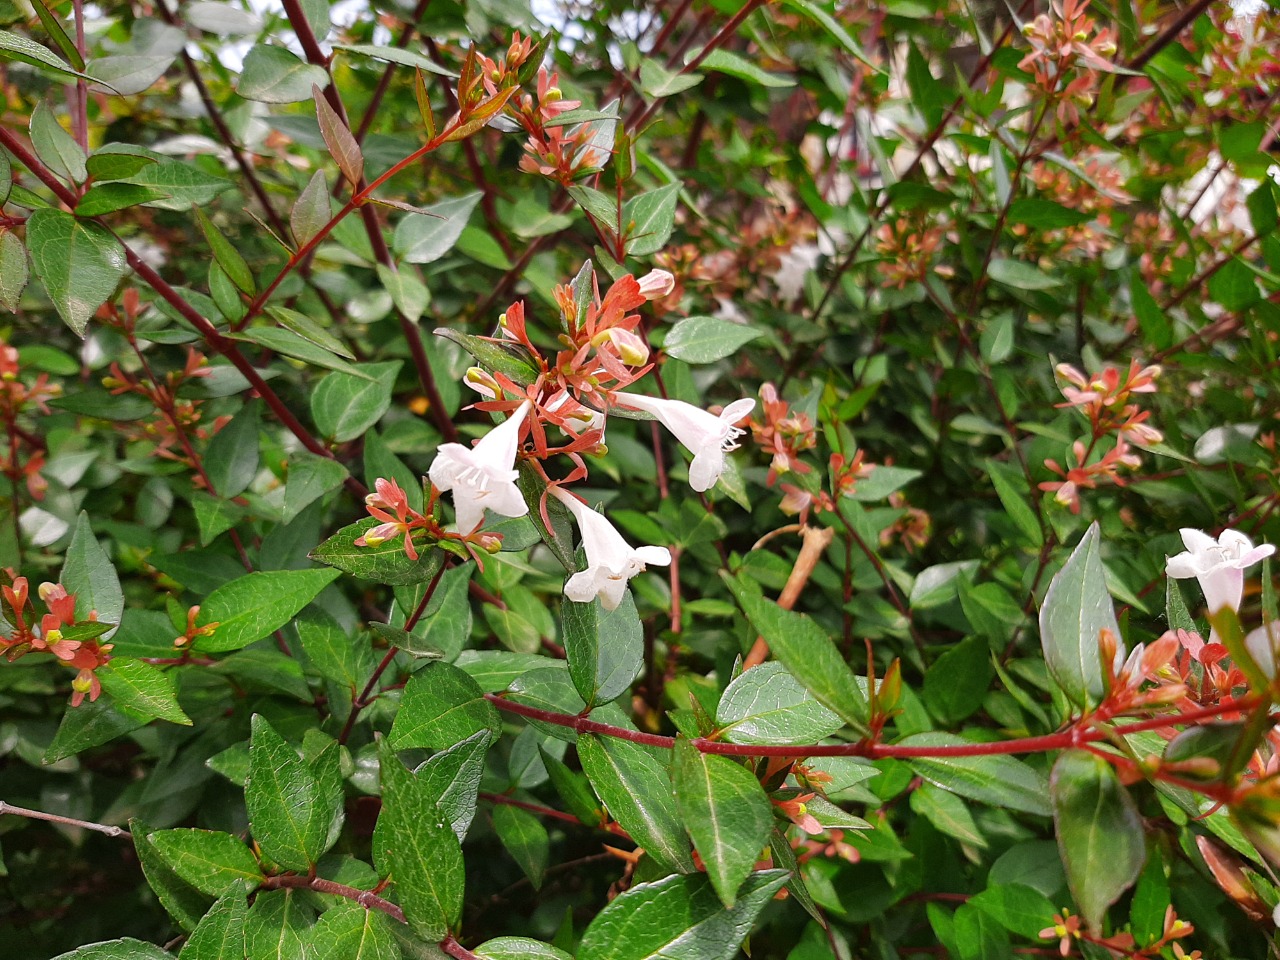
[[525, 838], [109, 197], [181, 183], [274, 75], [385, 563], [426, 237], [279, 926], [87, 572], [957, 682], [55, 147], [142, 688], [24, 50], [835, 28], [220, 935], [312, 210], [184, 902], [650, 218], [806, 651], [1233, 286], [255, 605], [1155, 324], [604, 648], [947, 813], [129, 74], [308, 478], [89, 725], [519, 948], [446, 623], [677, 917], [126, 948], [1099, 832], [331, 651], [736, 66], [657, 81], [6, 176], [345, 405], [290, 808], [499, 357], [633, 782], [405, 58], [1018, 909], [118, 161], [292, 344], [978, 936], [78, 262], [1021, 276], [452, 778], [338, 138], [766, 705], [726, 812], [420, 850], [227, 256], [14, 270], [707, 339], [1077, 607], [996, 341], [1045, 214], [209, 860], [349, 931], [997, 780], [214, 516], [882, 482], [408, 294], [1010, 487], [441, 706], [231, 460]]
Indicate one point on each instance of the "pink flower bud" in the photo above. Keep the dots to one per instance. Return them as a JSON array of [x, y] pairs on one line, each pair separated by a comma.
[[656, 284]]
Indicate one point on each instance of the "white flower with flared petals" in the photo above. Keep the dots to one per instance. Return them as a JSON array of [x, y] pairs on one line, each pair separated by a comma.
[[707, 436], [483, 477], [611, 561], [1219, 565]]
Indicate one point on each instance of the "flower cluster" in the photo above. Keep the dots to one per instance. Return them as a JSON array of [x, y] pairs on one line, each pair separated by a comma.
[[177, 418], [908, 249], [22, 459], [572, 393], [1068, 47], [57, 633], [1105, 399]]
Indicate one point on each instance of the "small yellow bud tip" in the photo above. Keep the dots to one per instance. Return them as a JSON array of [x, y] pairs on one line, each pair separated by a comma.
[[372, 541], [52, 637], [81, 685]]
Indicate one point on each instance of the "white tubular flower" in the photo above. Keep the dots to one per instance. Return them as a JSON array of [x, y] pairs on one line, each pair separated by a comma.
[[1219, 565], [1261, 644], [703, 434], [483, 476], [611, 561]]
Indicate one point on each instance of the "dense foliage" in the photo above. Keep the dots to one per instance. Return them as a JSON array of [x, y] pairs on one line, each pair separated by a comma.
[[614, 481]]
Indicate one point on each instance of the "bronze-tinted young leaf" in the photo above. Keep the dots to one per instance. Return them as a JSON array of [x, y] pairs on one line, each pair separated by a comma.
[[1099, 832], [337, 137]]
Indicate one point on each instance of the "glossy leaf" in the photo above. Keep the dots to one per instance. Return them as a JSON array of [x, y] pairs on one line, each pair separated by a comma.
[[290, 807], [209, 860], [273, 74], [220, 934], [707, 339], [634, 783], [349, 931], [726, 813], [806, 651], [251, 607], [766, 705], [14, 270], [419, 850], [88, 573], [386, 562], [525, 838], [1099, 832], [604, 648], [231, 460], [677, 917], [346, 405], [78, 262], [1076, 608], [999, 780], [426, 237], [142, 689], [441, 706]]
